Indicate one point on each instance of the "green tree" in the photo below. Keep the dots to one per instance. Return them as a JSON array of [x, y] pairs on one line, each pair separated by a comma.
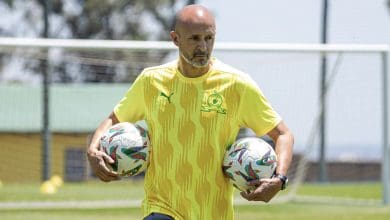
[[118, 20], [388, 4], [94, 19]]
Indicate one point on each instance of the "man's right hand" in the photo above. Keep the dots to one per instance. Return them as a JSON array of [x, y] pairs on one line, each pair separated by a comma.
[[98, 161]]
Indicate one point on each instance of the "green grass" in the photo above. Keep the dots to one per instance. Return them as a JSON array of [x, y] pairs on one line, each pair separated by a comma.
[[310, 211], [303, 211], [366, 190], [126, 190], [119, 190]]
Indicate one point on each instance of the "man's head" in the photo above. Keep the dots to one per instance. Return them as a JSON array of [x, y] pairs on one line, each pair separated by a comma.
[[194, 34]]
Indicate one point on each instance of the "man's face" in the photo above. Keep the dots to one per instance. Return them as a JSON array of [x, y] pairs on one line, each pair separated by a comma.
[[196, 44]]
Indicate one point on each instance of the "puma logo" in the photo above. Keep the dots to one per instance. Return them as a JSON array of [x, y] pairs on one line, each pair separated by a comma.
[[168, 97]]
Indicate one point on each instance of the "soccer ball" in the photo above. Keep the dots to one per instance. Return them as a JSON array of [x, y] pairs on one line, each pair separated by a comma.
[[249, 159], [128, 145]]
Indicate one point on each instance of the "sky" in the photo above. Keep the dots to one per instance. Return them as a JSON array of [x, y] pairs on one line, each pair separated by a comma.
[[291, 81], [299, 21]]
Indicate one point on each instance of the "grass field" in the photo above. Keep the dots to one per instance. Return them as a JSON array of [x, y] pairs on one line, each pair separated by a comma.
[[314, 201]]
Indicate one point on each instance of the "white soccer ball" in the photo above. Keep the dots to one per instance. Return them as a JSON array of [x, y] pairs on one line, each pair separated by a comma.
[[249, 159], [128, 145]]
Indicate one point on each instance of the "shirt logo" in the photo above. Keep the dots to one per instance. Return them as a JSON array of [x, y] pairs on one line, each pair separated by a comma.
[[168, 97], [214, 102]]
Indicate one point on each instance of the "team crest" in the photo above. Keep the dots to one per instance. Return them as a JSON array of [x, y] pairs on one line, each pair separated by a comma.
[[213, 102]]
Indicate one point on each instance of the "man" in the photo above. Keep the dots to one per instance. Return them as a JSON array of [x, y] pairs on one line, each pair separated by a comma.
[[194, 108]]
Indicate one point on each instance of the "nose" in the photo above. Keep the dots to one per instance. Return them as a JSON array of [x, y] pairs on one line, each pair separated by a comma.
[[202, 45]]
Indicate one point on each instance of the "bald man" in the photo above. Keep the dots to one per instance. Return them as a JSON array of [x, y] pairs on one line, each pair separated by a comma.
[[189, 134]]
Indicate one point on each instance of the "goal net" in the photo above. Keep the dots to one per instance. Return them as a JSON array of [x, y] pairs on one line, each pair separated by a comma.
[[87, 78]]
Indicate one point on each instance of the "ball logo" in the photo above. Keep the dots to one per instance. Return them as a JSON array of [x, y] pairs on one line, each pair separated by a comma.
[[267, 160]]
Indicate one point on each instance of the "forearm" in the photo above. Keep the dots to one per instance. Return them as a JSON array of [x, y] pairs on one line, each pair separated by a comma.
[[284, 150], [107, 123], [284, 141]]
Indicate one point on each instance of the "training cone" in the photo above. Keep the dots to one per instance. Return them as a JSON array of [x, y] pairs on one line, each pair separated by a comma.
[[56, 180], [48, 188]]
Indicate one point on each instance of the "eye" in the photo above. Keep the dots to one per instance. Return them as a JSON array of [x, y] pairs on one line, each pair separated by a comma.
[[209, 37], [195, 38]]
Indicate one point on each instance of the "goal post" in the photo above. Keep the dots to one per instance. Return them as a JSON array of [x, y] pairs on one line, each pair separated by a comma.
[[386, 129], [280, 55], [81, 44]]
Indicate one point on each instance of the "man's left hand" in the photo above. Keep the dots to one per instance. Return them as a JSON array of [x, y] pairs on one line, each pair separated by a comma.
[[265, 190]]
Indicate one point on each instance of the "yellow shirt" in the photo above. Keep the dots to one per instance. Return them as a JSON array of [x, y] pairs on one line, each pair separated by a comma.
[[191, 122]]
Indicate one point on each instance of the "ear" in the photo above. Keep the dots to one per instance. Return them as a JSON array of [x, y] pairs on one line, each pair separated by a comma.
[[174, 38]]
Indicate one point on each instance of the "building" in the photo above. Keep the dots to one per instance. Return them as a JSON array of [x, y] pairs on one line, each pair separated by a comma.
[[75, 111]]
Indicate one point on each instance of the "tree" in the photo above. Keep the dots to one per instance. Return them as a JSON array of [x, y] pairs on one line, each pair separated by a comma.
[[388, 4], [100, 19]]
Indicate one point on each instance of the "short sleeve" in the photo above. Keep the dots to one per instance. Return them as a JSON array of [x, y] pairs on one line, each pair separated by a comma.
[[131, 107], [255, 110]]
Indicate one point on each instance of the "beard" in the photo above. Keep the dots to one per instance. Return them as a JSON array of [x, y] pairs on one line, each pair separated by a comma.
[[203, 62]]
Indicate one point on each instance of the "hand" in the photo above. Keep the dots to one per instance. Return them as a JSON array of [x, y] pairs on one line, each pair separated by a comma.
[[265, 190], [97, 159]]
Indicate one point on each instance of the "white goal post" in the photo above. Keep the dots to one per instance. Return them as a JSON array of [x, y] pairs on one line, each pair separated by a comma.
[[382, 49], [167, 45]]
